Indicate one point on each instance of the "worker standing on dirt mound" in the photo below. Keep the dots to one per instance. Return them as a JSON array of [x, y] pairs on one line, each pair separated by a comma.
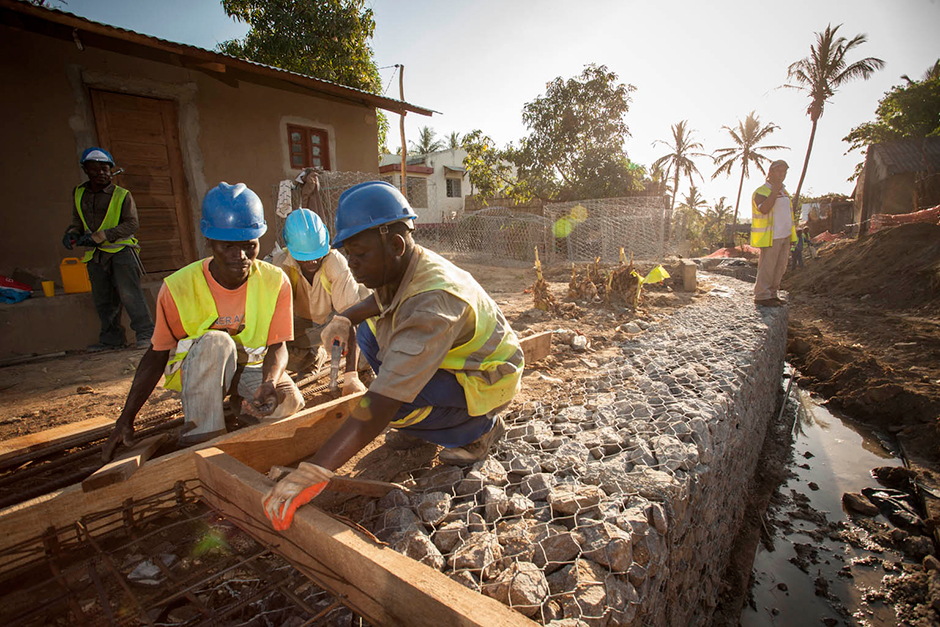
[[104, 220], [771, 231], [322, 286], [445, 358], [223, 324]]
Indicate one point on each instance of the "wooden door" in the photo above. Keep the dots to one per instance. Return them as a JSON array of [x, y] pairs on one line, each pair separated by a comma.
[[142, 134]]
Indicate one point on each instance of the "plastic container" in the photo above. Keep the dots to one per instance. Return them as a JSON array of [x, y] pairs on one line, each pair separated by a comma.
[[48, 288], [74, 276]]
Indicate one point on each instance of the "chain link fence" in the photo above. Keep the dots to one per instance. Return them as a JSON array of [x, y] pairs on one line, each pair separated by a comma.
[[570, 232]]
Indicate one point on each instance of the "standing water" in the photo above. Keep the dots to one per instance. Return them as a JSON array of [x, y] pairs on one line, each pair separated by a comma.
[[826, 567]]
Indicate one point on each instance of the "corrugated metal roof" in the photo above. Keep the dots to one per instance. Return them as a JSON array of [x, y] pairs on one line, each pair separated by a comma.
[[70, 20], [908, 155]]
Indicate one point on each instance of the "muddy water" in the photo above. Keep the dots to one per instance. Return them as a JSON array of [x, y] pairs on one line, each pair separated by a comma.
[[836, 455]]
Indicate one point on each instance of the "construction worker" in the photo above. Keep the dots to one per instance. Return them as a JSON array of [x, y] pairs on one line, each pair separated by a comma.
[[104, 219], [771, 231], [796, 248], [322, 286], [446, 360], [223, 324]]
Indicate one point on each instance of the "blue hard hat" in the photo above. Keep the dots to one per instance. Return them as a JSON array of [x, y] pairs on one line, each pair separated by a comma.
[[306, 235], [369, 205], [232, 213], [97, 154]]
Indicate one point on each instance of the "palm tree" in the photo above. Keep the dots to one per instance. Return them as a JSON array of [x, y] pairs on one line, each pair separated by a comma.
[[822, 73], [932, 72], [746, 138], [679, 161], [454, 140], [694, 199], [426, 142]]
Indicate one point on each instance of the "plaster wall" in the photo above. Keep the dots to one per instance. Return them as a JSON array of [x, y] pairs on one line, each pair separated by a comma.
[[230, 130]]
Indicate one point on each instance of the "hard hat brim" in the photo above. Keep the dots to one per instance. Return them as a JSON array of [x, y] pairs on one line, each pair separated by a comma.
[[345, 234], [317, 254], [232, 235]]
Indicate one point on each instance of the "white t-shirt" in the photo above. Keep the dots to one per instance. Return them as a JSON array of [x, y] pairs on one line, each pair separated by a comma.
[[783, 219]]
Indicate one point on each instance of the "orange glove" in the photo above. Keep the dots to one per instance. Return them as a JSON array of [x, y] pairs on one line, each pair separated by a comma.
[[293, 491]]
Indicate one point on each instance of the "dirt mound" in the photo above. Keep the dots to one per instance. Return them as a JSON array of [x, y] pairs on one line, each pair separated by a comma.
[[898, 268]]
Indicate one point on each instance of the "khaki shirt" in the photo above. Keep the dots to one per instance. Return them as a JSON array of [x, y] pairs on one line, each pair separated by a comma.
[[428, 326], [311, 300]]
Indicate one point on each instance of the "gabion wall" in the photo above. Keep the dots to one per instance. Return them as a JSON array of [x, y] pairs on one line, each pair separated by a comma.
[[615, 499]]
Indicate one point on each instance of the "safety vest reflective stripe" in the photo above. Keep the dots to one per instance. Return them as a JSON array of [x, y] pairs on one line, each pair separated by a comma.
[[111, 220], [762, 224], [489, 366], [198, 312]]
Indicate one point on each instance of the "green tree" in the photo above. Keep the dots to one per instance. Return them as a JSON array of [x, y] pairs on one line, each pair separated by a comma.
[[679, 162], [746, 140], [487, 168], [326, 39], [905, 112], [689, 220], [427, 142], [454, 140], [821, 74], [575, 145]]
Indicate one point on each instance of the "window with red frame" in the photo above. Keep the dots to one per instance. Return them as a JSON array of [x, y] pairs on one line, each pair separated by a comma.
[[309, 147]]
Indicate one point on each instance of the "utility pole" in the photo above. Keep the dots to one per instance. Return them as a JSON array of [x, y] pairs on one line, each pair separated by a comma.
[[404, 148]]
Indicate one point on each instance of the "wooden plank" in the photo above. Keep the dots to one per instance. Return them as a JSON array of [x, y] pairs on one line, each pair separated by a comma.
[[385, 587], [124, 465], [20, 450], [299, 437], [536, 347]]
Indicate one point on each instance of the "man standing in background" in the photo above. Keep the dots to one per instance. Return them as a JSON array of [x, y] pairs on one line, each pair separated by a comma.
[[104, 219], [771, 231]]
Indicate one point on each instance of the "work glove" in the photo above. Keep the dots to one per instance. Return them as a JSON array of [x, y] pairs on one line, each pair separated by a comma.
[[352, 384], [86, 241], [336, 329], [69, 239], [293, 491]]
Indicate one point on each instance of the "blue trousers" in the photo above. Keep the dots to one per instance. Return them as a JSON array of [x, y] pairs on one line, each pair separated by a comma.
[[116, 282], [449, 424]]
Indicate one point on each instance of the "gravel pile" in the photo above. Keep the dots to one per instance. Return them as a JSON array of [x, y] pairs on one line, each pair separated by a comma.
[[618, 496]]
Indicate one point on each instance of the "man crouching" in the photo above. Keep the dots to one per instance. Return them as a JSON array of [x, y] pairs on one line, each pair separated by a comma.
[[222, 326]]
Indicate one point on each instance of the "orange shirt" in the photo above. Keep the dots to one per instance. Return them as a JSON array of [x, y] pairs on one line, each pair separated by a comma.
[[230, 304]]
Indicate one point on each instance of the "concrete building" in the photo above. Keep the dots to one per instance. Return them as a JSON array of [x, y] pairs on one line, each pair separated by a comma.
[[177, 118], [437, 183]]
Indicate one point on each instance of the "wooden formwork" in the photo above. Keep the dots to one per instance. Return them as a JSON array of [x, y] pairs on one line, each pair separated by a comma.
[[385, 587]]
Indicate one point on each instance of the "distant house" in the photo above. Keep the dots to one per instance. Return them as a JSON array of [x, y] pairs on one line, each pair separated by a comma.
[[178, 119], [437, 183], [898, 177]]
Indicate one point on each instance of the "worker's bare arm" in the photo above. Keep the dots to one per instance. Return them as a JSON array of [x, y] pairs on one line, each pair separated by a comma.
[[767, 204], [361, 311], [371, 415], [275, 361], [149, 371]]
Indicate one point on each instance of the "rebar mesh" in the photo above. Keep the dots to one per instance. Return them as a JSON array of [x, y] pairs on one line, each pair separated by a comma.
[[578, 512], [173, 561]]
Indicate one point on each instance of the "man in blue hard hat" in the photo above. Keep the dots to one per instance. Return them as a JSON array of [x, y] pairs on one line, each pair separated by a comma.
[[104, 220], [223, 324], [322, 286], [445, 358]]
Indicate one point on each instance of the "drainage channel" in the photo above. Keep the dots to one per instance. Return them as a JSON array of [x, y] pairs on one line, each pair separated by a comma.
[[822, 565]]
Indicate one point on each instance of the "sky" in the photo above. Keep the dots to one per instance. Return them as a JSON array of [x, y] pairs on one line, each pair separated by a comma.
[[710, 63]]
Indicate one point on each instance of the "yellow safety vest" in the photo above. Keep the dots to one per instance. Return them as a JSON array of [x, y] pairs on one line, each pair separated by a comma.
[[489, 366], [198, 312], [295, 275], [111, 219], [762, 224]]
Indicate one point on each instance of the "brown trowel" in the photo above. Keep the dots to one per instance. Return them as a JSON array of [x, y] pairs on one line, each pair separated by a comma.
[[363, 487]]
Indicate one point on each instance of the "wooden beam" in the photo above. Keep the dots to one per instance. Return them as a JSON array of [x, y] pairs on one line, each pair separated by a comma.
[[125, 465], [536, 347], [385, 587], [298, 437], [16, 451]]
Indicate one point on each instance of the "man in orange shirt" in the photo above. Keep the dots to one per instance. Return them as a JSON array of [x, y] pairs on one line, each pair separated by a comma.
[[223, 324]]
